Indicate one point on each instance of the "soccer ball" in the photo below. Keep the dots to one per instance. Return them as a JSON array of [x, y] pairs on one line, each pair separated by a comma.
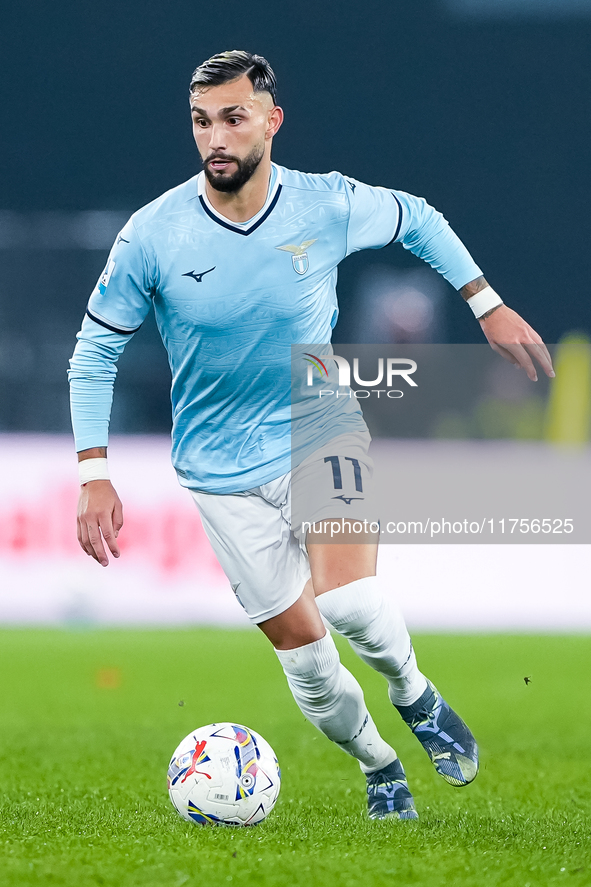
[[224, 774]]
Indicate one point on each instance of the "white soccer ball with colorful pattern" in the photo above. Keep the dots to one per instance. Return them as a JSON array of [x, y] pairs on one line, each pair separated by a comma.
[[224, 774]]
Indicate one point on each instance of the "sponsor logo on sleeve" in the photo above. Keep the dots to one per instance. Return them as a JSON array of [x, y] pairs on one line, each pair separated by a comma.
[[106, 276]]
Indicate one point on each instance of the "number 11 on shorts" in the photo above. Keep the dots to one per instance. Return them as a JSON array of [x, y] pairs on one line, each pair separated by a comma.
[[337, 477]]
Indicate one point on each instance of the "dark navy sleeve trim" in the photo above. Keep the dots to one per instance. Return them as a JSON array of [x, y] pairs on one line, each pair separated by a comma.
[[113, 329], [245, 231], [398, 226]]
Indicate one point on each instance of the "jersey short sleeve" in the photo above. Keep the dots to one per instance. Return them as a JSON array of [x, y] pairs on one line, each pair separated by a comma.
[[375, 216], [123, 294]]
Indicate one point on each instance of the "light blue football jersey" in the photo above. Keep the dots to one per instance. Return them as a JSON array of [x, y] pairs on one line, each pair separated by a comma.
[[230, 301]]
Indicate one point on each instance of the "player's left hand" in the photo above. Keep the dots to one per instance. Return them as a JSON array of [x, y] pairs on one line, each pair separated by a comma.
[[510, 336]]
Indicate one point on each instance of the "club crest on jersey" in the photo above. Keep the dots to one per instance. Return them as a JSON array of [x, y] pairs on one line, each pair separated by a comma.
[[299, 255]]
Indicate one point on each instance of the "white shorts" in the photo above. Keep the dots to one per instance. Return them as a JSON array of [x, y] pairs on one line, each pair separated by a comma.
[[257, 536]]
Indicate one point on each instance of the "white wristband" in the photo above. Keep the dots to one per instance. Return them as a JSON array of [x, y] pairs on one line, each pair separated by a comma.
[[93, 469], [484, 301]]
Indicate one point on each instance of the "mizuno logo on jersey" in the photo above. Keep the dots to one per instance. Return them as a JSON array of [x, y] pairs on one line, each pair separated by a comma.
[[198, 276], [299, 256], [348, 499]]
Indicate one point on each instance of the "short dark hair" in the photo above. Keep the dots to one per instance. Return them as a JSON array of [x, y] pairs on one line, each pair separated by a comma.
[[226, 66]]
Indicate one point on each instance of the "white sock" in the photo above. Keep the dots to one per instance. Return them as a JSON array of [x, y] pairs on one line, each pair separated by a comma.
[[330, 698], [375, 628]]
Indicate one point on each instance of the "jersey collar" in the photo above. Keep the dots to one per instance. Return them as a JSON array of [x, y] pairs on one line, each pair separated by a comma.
[[252, 224]]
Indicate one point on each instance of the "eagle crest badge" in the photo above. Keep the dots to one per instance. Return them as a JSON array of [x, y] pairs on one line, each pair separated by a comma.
[[299, 256]]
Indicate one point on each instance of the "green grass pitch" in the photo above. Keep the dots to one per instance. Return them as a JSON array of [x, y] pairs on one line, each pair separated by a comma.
[[89, 719]]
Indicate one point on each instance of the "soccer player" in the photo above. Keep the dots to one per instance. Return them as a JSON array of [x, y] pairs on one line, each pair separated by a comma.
[[240, 265]]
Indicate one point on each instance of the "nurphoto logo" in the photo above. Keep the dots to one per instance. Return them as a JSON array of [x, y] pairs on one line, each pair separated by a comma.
[[390, 370]]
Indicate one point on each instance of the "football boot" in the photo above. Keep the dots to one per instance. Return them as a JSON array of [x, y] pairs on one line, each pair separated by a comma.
[[444, 736], [388, 796]]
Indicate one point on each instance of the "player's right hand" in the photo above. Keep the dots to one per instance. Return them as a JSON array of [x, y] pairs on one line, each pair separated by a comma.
[[100, 517]]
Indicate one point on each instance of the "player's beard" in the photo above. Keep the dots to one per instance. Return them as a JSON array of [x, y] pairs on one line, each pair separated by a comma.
[[246, 168]]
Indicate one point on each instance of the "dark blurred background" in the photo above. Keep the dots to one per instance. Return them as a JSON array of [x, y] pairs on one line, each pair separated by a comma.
[[481, 106]]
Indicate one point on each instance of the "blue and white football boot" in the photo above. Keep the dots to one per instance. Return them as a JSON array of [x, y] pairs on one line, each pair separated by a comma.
[[388, 796], [444, 736]]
